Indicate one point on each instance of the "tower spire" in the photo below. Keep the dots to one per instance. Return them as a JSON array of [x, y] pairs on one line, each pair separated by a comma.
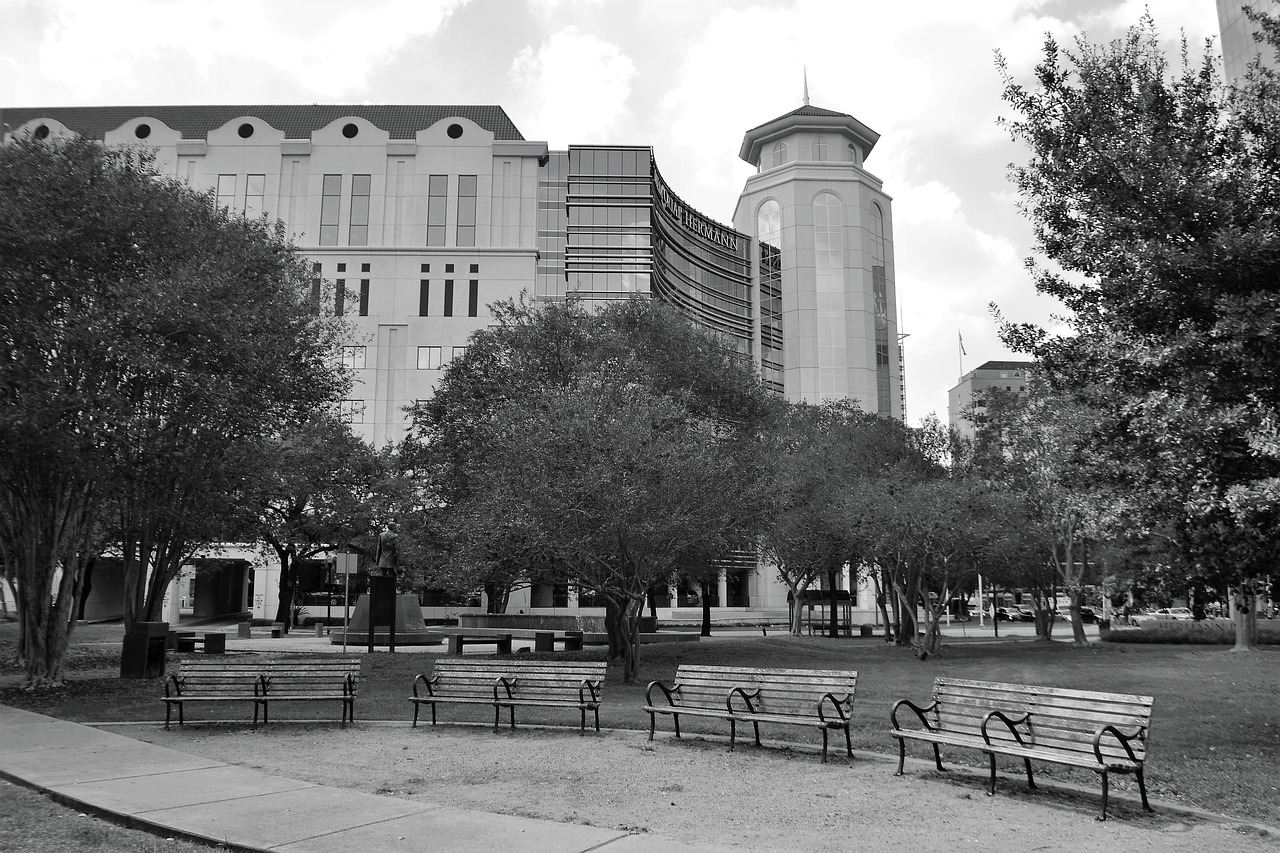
[[806, 85]]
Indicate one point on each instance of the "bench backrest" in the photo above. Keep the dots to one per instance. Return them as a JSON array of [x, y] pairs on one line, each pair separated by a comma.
[[224, 677], [320, 674], [782, 691], [534, 679], [1061, 718]]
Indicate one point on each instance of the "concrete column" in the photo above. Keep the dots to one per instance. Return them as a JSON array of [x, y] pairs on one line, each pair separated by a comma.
[[722, 588]]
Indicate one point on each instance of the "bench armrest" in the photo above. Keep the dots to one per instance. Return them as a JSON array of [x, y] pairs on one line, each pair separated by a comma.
[[589, 686], [1011, 723], [914, 708], [349, 684], [666, 691], [1139, 733], [505, 683], [837, 704], [429, 683], [261, 684], [177, 686], [747, 696]]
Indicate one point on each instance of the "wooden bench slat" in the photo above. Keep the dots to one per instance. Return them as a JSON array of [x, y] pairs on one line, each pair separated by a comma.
[[785, 696], [509, 683], [1056, 725]]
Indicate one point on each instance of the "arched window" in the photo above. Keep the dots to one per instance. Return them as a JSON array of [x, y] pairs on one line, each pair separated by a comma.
[[769, 224], [779, 153], [851, 153], [819, 148]]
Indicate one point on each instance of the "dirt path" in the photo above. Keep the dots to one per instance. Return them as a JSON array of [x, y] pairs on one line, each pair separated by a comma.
[[772, 799]]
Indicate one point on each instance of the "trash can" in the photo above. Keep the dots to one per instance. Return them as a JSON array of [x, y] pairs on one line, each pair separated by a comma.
[[866, 630], [215, 643], [142, 654]]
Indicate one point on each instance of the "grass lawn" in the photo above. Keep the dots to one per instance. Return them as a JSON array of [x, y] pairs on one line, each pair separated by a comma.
[[1215, 738]]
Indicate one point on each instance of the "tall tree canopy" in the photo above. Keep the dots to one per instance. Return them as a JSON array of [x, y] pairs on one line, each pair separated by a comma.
[[1154, 190], [597, 448], [149, 339]]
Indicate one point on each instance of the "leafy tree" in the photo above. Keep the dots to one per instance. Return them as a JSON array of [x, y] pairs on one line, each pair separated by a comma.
[[600, 447], [1155, 194], [143, 327], [311, 493]]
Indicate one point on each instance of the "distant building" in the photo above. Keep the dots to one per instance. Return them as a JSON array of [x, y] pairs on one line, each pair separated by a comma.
[[1005, 375], [425, 215], [1238, 46]]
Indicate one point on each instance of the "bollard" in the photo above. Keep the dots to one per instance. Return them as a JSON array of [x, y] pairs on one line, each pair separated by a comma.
[[277, 630], [244, 630], [319, 629]]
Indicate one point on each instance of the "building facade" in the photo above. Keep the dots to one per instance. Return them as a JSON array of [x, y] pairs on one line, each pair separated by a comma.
[[1238, 46], [423, 216], [1009, 376]]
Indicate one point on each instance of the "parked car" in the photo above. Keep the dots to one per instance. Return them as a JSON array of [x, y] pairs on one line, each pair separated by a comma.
[[1026, 613], [1087, 616], [1177, 614], [1008, 614]]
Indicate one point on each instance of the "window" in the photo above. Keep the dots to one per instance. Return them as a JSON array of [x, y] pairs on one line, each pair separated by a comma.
[[353, 358], [351, 411], [424, 297], [818, 148], [227, 191], [779, 153], [437, 196], [339, 296], [458, 352], [364, 297], [448, 297], [769, 224], [473, 297], [466, 210], [254, 188], [475, 268], [359, 230], [851, 153], [330, 198], [428, 358]]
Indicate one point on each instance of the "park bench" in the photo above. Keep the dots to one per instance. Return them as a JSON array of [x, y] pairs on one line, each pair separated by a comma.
[[1102, 732], [821, 699], [234, 680], [512, 683], [314, 679]]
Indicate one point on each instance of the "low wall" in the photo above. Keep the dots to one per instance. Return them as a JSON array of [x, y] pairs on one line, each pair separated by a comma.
[[533, 621]]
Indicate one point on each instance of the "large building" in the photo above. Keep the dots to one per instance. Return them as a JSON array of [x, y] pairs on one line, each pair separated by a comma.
[[1238, 46], [1008, 376], [425, 215]]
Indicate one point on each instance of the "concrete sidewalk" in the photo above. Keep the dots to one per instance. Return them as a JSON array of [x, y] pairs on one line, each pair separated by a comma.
[[170, 792]]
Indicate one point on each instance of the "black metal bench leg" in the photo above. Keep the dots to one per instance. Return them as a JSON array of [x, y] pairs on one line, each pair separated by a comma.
[[824, 746], [937, 759], [1104, 795], [597, 713], [512, 711], [168, 709], [416, 705], [1031, 782], [497, 715], [757, 728], [652, 722], [991, 785], [1142, 789], [848, 741], [902, 755], [675, 718], [733, 733], [582, 724]]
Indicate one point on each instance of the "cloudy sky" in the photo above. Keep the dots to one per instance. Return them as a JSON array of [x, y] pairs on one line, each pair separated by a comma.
[[684, 76]]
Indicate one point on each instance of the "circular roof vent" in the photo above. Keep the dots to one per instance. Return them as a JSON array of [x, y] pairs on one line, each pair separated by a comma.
[[245, 130], [454, 131], [142, 131], [350, 130]]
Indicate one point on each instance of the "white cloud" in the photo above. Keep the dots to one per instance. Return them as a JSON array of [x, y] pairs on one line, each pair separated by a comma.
[[579, 86]]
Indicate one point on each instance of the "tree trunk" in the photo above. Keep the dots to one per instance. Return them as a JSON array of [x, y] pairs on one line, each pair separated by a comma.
[[797, 608], [706, 608], [613, 627], [833, 615], [629, 636], [1244, 612], [882, 601]]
